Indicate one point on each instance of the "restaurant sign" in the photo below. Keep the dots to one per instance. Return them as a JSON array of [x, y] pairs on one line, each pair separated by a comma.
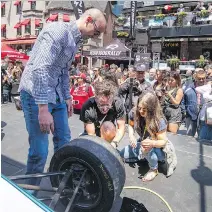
[[171, 44]]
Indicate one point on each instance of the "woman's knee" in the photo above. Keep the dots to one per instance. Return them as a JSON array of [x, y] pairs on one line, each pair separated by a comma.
[[152, 156]]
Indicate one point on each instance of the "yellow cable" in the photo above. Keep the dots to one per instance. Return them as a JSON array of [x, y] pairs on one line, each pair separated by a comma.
[[153, 192]]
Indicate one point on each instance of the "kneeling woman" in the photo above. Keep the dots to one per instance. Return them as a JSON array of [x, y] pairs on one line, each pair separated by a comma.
[[149, 122]]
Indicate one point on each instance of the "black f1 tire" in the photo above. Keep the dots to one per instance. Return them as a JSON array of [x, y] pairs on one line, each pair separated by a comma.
[[100, 157]]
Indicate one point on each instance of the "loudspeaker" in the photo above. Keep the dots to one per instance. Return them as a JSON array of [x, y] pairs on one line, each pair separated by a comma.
[[156, 47]]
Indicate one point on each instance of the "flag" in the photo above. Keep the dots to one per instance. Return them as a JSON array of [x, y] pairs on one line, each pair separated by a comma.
[[132, 18], [79, 8]]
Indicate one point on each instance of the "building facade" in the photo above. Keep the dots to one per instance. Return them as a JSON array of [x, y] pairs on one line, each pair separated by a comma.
[[186, 34], [21, 22]]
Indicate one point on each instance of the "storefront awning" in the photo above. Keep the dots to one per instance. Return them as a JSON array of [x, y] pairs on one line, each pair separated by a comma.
[[25, 22], [3, 26], [17, 25], [201, 39], [170, 40], [31, 1], [2, 5], [19, 41], [66, 18], [53, 17], [171, 32], [17, 3], [37, 22]]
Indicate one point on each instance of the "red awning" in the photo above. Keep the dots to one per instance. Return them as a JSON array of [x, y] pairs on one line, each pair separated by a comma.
[[12, 53], [53, 17], [17, 25], [66, 18], [31, 0], [17, 3], [25, 22], [2, 5], [19, 41], [37, 22], [3, 26]]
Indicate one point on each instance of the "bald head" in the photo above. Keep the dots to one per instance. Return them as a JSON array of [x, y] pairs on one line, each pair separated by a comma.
[[92, 23], [108, 131]]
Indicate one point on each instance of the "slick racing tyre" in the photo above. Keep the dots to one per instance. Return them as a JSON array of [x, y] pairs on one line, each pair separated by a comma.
[[104, 178]]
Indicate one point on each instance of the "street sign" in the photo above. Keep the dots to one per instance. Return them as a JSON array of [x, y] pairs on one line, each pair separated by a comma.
[[143, 58]]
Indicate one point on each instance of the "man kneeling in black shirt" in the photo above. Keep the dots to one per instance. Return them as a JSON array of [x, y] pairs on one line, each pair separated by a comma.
[[105, 106]]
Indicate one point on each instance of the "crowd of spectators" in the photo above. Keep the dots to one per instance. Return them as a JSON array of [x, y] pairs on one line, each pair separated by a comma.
[[184, 98]]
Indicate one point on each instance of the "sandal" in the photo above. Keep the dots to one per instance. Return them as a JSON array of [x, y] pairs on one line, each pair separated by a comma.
[[150, 175]]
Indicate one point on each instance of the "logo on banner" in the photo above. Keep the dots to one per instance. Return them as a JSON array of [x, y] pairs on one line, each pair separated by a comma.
[[112, 46]]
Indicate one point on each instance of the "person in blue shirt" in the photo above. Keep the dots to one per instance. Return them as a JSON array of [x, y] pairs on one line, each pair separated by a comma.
[[45, 87], [191, 109]]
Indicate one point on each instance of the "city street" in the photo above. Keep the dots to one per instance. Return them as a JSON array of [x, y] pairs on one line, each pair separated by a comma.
[[188, 189]]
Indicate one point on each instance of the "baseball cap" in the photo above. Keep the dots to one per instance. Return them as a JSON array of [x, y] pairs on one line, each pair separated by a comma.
[[140, 67], [83, 76]]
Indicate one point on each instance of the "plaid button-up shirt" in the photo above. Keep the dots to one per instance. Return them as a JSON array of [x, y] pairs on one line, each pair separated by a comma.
[[46, 74]]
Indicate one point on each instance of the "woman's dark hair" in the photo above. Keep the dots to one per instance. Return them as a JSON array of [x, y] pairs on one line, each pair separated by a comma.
[[177, 77], [83, 69], [108, 86]]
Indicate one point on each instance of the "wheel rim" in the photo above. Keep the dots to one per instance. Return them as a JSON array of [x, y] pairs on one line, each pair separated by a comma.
[[90, 192]]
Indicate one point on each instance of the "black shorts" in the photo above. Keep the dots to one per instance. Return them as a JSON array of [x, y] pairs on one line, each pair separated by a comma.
[[173, 115]]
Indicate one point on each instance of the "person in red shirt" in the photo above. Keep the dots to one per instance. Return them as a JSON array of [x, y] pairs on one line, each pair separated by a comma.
[[81, 92]]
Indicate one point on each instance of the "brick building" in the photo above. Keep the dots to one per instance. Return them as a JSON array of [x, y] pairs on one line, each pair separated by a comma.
[[21, 22]]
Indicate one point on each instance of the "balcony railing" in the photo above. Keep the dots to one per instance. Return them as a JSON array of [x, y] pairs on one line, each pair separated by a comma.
[[181, 19]]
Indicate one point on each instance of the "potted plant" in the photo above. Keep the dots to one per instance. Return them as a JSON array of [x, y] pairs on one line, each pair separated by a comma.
[[140, 18], [173, 62], [202, 62], [159, 17], [203, 14], [121, 19], [122, 34], [180, 18]]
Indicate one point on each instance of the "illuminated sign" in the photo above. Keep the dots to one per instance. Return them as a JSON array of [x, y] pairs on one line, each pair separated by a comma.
[[171, 44]]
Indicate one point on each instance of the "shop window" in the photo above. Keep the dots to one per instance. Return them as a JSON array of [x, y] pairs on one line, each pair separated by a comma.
[[28, 29], [19, 31], [18, 8], [33, 5], [3, 11]]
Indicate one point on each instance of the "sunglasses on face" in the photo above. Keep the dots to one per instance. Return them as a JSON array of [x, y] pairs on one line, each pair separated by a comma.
[[201, 79], [96, 31]]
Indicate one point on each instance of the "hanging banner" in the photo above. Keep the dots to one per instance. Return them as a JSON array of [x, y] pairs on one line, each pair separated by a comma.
[[79, 8], [132, 18]]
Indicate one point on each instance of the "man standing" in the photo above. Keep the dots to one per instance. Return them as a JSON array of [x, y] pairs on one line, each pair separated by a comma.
[[44, 86], [133, 87], [152, 74]]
